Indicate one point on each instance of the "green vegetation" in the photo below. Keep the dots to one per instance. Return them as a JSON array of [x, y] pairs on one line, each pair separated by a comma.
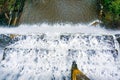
[[111, 11], [112, 5], [10, 11]]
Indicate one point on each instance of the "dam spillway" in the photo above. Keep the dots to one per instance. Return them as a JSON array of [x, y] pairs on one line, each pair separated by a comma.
[[49, 57], [51, 35]]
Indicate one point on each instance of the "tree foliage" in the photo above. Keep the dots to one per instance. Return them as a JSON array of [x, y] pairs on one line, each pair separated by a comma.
[[115, 9], [11, 11], [112, 12]]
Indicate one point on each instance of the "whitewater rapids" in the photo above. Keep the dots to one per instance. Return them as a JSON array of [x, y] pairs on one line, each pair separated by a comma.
[[57, 28], [46, 52]]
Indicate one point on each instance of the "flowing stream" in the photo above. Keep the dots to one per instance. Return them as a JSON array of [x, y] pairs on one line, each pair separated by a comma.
[[46, 52], [59, 11], [42, 49]]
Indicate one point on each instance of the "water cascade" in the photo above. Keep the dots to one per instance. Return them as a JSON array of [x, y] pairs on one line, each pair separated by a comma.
[[32, 55], [51, 35]]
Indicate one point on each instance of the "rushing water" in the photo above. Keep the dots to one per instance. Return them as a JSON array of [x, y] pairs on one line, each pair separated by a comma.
[[46, 52]]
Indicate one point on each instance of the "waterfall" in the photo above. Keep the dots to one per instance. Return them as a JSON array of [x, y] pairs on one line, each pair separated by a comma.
[[54, 33], [41, 52]]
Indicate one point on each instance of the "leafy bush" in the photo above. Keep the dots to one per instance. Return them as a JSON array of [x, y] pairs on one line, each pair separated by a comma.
[[112, 12], [115, 8]]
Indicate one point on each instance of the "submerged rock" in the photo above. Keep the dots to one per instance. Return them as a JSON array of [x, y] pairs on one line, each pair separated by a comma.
[[118, 38], [4, 40]]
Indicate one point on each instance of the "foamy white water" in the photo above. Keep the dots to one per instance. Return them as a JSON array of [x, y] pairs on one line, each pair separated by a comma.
[[57, 28], [44, 52]]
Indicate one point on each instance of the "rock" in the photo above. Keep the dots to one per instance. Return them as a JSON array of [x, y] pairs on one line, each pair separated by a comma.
[[4, 40], [118, 37], [76, 74]]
